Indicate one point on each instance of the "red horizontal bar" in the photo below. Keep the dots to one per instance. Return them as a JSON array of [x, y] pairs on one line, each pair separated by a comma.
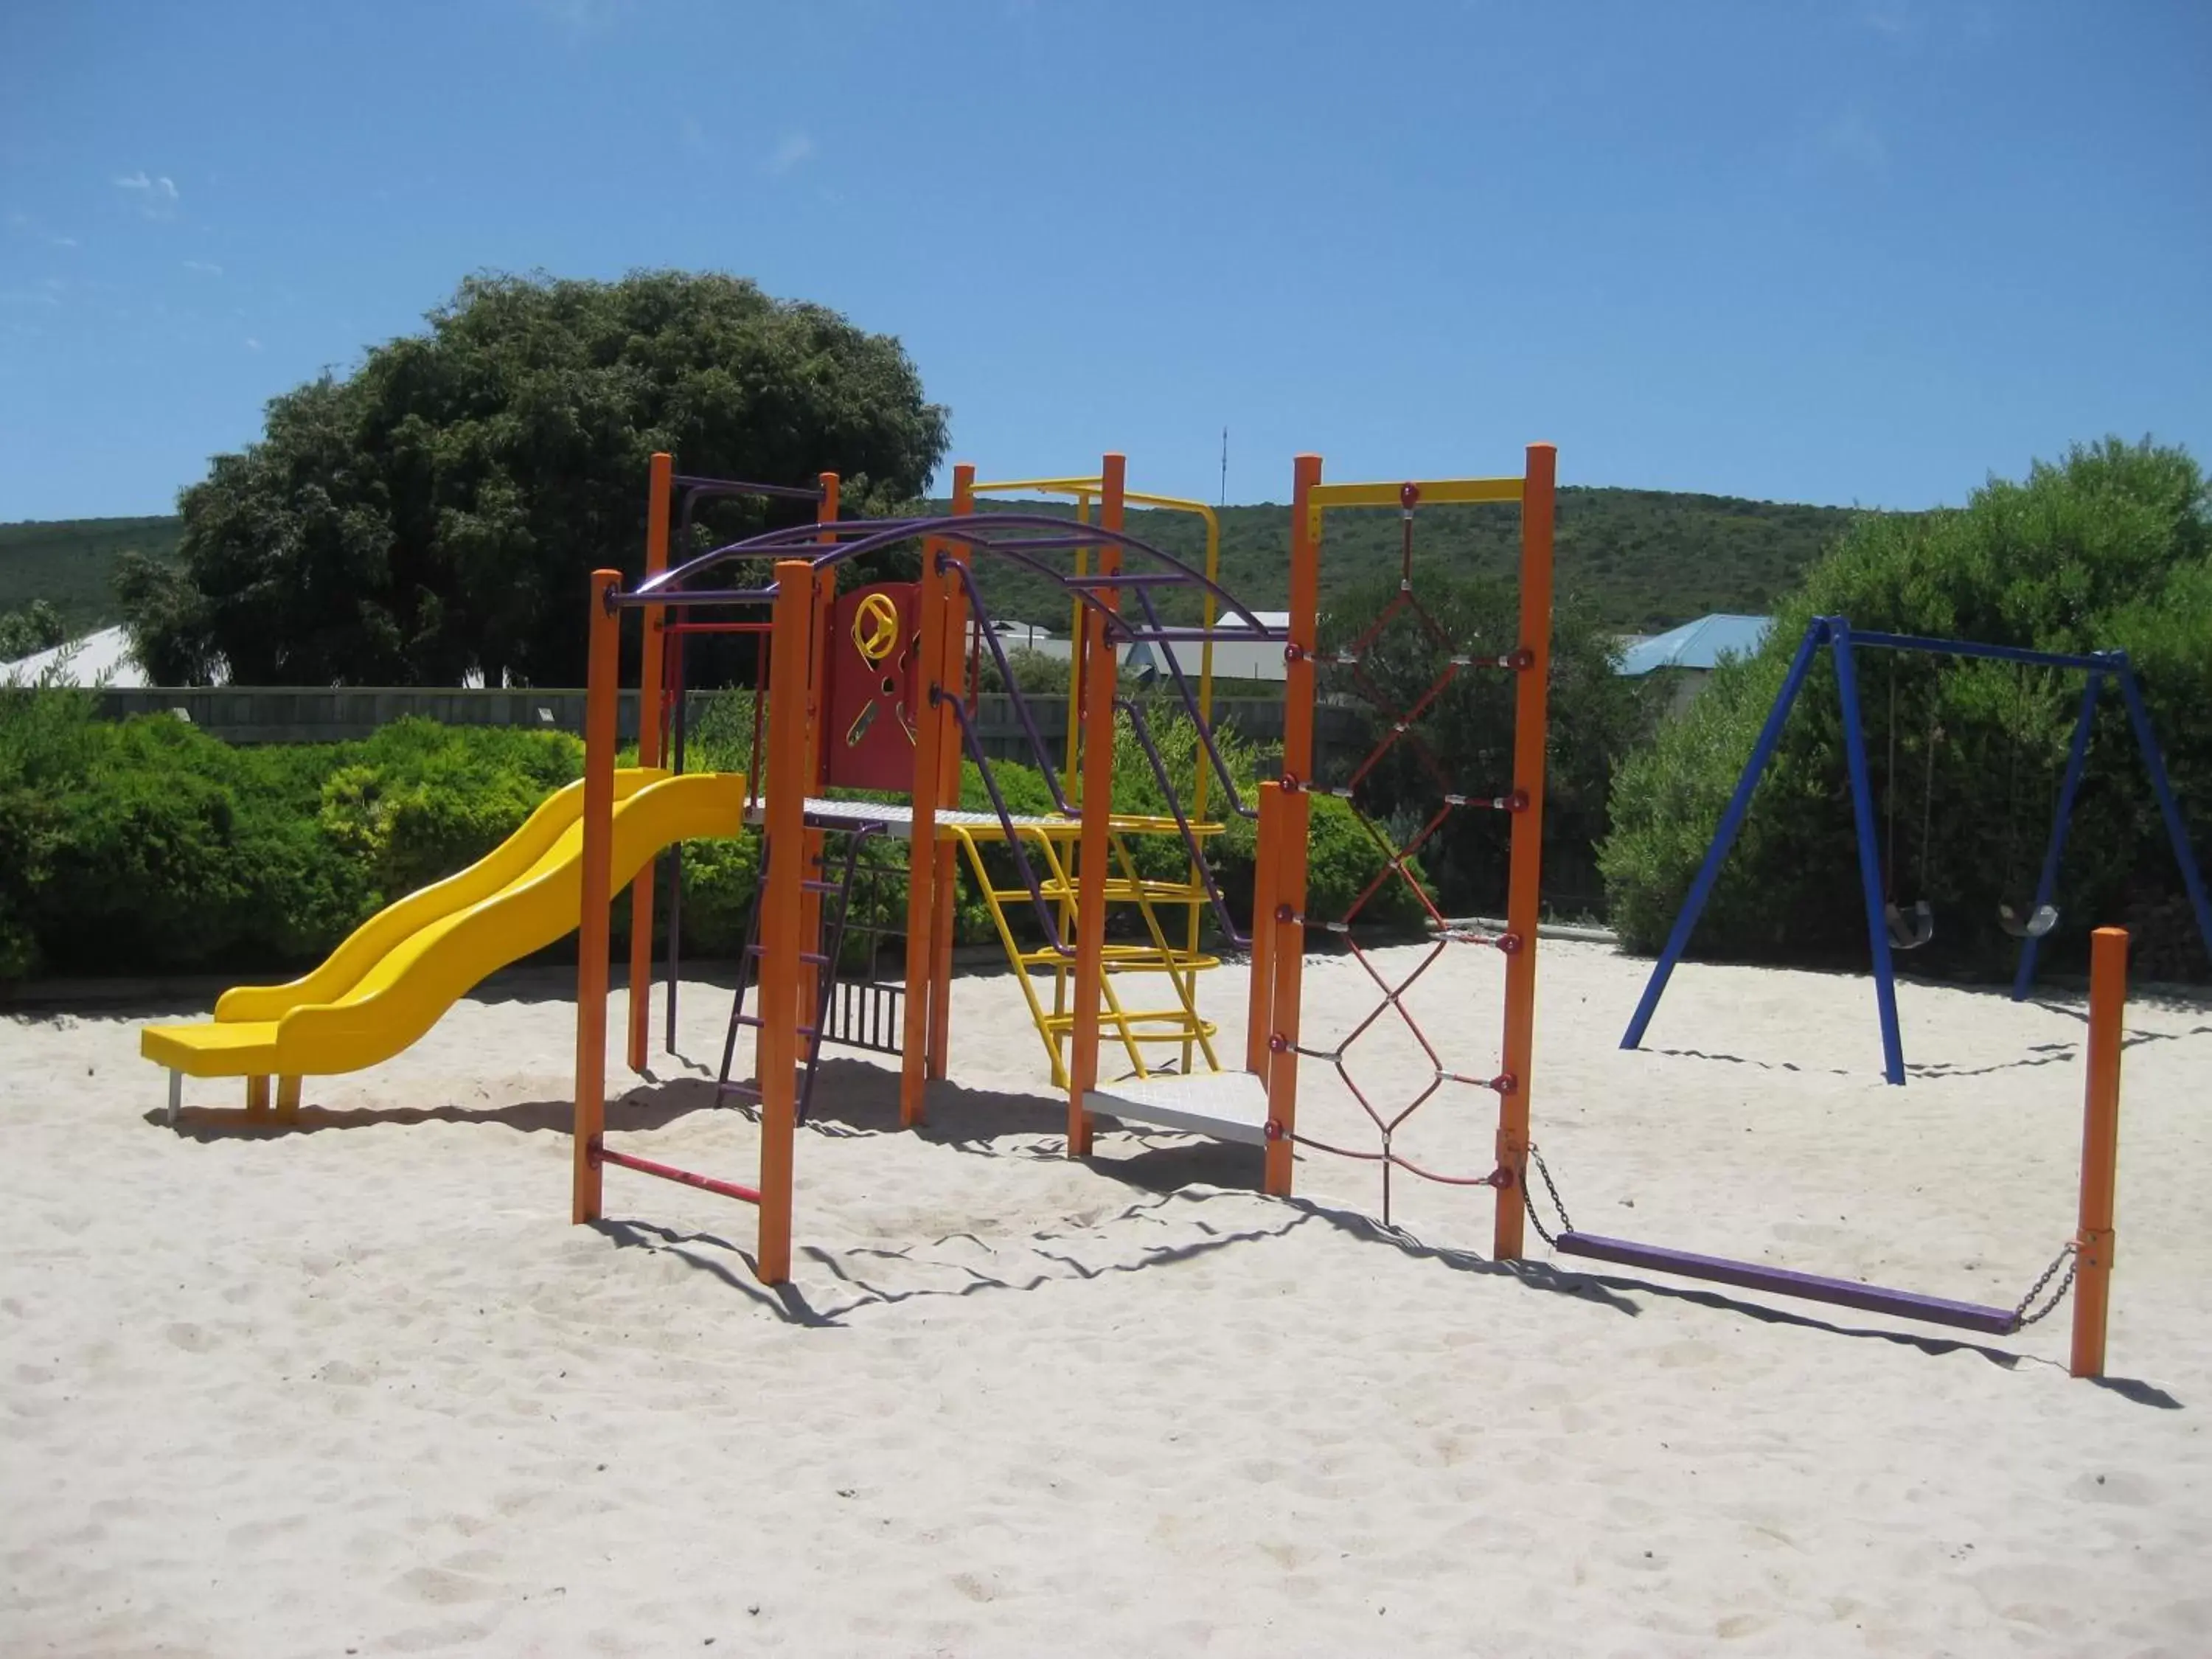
[[682, 1177]]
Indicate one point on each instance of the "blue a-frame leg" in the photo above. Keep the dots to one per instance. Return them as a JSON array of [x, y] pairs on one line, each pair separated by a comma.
[[1855, 762], [1701, 889]]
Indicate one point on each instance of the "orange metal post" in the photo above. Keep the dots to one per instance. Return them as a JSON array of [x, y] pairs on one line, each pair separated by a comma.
[[288, 1099], [2100, 1149], [931, 719], [784, 812], [1098, 688], [603, 678], [947, 876], [1526, 862], [1288, 947], [257, 1096], [1260, 1006], [640, 993]]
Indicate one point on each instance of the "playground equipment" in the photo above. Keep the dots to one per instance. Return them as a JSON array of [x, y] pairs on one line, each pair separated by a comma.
[[2086, 1260], [1070, 864], [398, 971], [1884, 923]]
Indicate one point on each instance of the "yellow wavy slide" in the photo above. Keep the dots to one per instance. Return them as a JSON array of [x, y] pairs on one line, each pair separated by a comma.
[[403, 967]]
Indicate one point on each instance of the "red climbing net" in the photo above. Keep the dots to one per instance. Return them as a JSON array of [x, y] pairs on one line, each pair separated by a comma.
[[1401, 729]]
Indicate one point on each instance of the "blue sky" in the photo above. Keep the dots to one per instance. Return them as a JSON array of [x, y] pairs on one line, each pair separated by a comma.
[[1850, 252]]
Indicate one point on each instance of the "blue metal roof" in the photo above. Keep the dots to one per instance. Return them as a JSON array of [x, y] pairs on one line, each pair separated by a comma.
[[1699, 644]]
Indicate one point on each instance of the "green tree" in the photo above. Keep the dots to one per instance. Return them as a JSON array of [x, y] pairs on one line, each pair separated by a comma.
[[2110, 548], [36, 627], [435, 512]]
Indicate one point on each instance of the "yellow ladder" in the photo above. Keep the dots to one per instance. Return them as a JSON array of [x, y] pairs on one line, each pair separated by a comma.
[[1052, 846]]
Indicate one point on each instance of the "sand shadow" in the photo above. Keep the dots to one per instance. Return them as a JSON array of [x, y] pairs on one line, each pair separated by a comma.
[[648, 1106], [1611, 1291], [733, 1266]]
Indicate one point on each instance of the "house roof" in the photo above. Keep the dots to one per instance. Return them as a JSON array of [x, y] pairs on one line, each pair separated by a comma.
[[98, 659], [1699, 644]]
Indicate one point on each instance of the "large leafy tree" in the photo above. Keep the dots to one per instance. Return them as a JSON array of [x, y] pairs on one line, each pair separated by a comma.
[[435, 514]]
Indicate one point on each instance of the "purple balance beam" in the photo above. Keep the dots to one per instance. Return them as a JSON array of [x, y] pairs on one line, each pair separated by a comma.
[[1781, 1281]]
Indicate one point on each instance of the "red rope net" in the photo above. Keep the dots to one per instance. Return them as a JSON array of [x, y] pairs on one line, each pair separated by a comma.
[[1400, 722]]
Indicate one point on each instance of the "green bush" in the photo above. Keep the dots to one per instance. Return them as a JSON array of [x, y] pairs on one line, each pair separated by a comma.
[[148, 845], [2110, 548]]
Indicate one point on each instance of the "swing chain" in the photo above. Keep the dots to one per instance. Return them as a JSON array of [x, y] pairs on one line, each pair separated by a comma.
[[1527, 1200], [2069, 1258]]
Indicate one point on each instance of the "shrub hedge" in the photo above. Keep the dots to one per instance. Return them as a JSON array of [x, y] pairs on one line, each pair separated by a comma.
[[148, 845]]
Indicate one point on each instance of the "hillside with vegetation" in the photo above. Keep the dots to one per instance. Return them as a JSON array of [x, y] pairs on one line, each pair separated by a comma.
[[70, 564], [1643, 560]]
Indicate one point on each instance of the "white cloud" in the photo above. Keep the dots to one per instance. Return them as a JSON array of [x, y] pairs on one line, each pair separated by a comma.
[[29, 296], [156, 193], [253, 344], [203, 267], [63, 241], [794, 151], [695, 135]]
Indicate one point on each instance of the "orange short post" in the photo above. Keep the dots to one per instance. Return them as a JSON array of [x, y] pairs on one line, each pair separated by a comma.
[[256, 1097], [1288, 948], [602, 677], [1523, 902], [931, 719], [288, 1099], [1091, 872], [658, 491], [784, 801], [2100, 1149], [946, 880]]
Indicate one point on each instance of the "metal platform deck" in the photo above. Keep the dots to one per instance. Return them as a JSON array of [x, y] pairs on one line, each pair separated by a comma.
[[895, 818], [1223, 1105]]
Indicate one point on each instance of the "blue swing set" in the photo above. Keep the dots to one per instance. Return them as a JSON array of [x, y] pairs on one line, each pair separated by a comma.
[[1884, 925]]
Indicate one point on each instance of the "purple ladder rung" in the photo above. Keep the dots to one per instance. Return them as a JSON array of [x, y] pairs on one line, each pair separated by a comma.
[[812, 958], [751, 1022], [1782, 1281], [750, 1089]]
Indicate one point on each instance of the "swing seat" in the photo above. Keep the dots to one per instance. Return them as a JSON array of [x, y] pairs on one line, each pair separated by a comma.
[[1909, 929], [2039, 921]]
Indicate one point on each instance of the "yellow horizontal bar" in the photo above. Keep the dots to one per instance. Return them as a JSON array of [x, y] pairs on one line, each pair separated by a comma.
[[1088, 487], [1438, 492]]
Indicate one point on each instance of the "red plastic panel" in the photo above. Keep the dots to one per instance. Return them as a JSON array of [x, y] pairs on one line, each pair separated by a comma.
[[870, 688]]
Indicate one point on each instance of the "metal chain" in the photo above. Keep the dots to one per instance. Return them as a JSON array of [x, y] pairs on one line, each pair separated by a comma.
[[2070, 1259], [1528, 1201]]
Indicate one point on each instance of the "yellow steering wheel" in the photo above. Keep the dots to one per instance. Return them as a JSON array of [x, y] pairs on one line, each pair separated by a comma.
[[876, 626]]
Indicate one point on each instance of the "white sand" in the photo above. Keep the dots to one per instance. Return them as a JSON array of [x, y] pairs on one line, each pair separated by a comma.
[[362, 1388]]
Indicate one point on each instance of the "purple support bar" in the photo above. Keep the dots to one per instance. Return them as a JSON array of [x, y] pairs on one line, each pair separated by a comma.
[[1782, 1281], [740, 486], [1143, 730], [1021, 704]]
